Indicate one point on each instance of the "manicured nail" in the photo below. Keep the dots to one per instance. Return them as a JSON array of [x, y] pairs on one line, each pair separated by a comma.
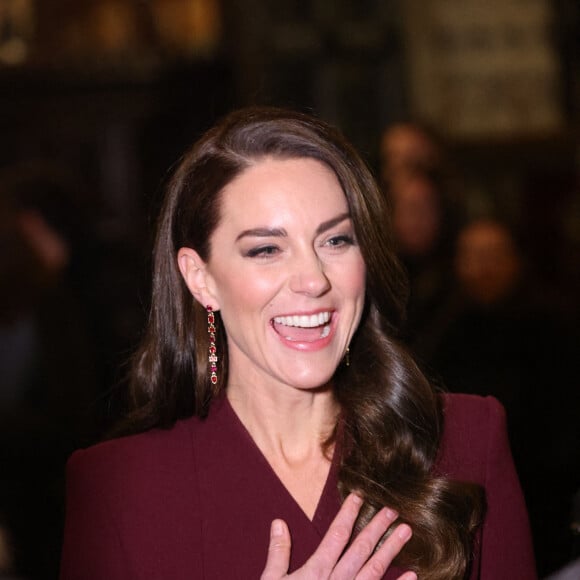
[[404, 532], [277, 529]]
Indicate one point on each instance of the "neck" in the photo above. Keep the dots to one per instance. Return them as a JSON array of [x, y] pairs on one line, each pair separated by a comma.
[[288, 426]]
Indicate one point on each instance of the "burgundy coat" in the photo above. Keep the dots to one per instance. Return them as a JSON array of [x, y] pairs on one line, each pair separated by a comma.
[[196, 501]]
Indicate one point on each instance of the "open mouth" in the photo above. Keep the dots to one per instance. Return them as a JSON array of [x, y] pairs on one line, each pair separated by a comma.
[[303, 328]]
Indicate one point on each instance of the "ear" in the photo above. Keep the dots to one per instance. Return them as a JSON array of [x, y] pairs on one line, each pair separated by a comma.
[[195, 274]]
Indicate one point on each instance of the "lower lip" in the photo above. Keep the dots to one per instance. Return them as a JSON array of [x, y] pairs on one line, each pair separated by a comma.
[[303, 346]]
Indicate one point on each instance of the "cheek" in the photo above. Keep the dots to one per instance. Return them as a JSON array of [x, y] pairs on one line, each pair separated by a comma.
[[355, 283], [355, 291], [247, 292]]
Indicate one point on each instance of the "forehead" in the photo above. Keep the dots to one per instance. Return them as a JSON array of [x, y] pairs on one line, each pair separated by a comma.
[[486, 235], [284, 187]]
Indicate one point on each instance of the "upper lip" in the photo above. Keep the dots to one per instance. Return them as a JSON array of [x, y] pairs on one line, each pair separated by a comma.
[[305, 320]]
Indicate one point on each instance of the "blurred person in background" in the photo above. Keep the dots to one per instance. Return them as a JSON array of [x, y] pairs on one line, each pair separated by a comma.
[[493, 329], [47, 373], [498, 338], [425, 215]]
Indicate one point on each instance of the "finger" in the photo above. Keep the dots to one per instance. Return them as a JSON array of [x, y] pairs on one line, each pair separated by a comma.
[[377, 565], [322, 562], [364, 544], [278, 552]]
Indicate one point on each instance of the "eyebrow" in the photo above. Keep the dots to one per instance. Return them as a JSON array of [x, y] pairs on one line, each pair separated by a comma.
[[281, 232], [332, 222], [263, 233]]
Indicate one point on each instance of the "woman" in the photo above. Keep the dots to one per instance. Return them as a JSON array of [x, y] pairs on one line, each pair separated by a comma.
[[269, 389]]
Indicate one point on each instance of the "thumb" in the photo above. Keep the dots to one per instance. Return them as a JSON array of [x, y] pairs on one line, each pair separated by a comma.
[[278, 552]]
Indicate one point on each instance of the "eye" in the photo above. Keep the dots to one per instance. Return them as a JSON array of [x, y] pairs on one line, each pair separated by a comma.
[[263, 252], [341, 240]]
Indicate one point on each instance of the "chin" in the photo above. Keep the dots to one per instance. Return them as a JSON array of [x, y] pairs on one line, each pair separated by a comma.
[[311, 381]]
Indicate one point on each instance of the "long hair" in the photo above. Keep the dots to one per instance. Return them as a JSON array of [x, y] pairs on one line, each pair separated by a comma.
[[391, 417]]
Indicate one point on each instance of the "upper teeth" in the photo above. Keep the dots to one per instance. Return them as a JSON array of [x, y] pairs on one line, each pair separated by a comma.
[[304, 321]]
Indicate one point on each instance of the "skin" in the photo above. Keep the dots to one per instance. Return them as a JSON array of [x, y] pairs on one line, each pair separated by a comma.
[[487, 262], [416, 216], [327, 562], [285, 247], [404, 147], [50, 247]]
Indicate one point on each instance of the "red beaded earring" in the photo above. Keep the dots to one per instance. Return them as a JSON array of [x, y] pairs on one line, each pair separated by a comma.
[[212, 348]]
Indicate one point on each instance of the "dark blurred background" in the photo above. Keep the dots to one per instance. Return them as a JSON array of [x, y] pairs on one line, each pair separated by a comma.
[[469, 114]]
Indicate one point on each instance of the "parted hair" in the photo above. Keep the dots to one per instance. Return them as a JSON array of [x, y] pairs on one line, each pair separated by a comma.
[[391, 419]]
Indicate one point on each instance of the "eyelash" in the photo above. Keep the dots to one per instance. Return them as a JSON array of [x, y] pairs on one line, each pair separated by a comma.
[[342, 239], [270, 250], [262, 251]]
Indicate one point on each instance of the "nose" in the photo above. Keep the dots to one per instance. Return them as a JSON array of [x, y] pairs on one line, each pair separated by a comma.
[[308, 276]]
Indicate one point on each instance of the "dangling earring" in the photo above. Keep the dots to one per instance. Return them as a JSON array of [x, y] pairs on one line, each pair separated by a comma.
[[212, 348], [347, 357]]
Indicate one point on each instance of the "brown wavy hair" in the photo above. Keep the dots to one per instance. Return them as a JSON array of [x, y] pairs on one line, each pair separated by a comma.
[[391, 415]]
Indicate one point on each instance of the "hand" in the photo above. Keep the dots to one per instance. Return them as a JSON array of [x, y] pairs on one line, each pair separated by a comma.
[[329, 562]]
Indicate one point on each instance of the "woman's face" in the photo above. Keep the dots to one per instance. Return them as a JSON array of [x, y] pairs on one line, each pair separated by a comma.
[[287, 274]]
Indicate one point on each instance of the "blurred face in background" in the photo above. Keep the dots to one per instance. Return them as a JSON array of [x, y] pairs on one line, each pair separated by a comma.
[[488, 264], [404, 148], [416, 216]]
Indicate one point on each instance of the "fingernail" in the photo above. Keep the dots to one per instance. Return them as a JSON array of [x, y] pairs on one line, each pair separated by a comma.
[[404, 532], [277, 529], [357, 499], [391, 514]]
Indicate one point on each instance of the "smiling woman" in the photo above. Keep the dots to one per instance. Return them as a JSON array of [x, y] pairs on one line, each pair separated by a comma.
[[303, 278], [278, 427]]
